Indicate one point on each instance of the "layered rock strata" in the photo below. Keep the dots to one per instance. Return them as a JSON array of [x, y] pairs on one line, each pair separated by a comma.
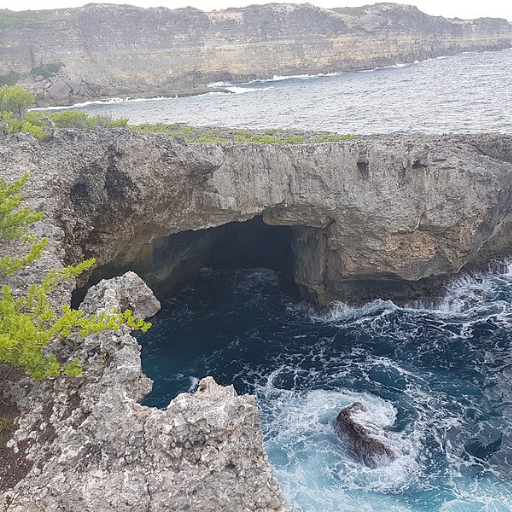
[[124, 51]]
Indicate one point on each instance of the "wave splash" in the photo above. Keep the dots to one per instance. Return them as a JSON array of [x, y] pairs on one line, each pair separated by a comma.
[[434, 378]]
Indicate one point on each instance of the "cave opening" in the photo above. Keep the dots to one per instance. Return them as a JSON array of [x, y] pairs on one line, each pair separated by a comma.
[[168, 262]]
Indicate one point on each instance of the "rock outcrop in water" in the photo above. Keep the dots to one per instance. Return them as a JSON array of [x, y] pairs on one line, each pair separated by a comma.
[[361, 442], [85, 444], [380, 217], [124, 51]]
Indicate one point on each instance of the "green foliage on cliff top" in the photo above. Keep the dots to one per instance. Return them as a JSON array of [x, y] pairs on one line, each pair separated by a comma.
[[28, 323], [199, 135], [14, 102], [15, 18], [351, 11]]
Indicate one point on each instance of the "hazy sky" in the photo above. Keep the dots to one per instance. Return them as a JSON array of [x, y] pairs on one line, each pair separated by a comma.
[[448, 8]]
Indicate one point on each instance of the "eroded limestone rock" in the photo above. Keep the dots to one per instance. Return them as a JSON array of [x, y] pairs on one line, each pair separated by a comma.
[[162, 52], [425, 207], [90, 446]]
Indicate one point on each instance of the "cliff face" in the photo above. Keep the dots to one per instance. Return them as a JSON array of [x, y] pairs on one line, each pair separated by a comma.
[[125, 51], [376, 217]]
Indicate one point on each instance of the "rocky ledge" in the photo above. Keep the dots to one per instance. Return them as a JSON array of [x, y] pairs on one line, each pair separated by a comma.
[[388, 217], [377, 216], [86, 444]]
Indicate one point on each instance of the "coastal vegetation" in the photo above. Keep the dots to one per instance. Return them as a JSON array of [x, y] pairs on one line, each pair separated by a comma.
[[10, 19], [351, 11], [14, 114], [208, 134], [46, 70], [28, 322]]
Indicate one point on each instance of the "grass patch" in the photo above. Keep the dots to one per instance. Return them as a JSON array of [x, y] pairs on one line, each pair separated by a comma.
[[213, 135], [10, 19], [294, 139], [331, 137], [351, 11]]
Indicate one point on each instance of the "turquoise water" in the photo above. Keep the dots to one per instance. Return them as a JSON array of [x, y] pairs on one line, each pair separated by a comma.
[[435, 379]]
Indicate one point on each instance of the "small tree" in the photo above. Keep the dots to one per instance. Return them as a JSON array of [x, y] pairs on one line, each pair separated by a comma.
[[27, 321], [16, 100]]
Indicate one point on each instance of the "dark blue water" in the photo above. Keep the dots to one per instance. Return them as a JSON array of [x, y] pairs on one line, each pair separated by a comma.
[[464, 93], [436, 380]]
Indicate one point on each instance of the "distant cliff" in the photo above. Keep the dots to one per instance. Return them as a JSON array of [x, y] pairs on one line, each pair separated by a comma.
[[100, 51]]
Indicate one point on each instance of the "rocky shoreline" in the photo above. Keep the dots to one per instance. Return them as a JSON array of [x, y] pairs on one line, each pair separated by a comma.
[[142, 53], [165, 209], [85, 444]]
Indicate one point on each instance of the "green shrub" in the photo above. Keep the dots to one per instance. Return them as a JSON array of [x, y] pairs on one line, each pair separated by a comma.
[[47, 70], [27, 321], [5, 425], [34, 130], [69, 119], [122, 122], [16, 100], [9, 79]]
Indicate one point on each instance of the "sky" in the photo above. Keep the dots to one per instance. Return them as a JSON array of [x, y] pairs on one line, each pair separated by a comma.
[[467, 9]]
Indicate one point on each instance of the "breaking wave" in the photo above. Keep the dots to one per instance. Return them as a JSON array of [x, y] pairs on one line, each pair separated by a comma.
[[434, 377]]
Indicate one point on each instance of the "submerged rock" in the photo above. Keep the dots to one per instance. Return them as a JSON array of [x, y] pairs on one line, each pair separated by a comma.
[[89, 446], [361, 441], [483, 446]]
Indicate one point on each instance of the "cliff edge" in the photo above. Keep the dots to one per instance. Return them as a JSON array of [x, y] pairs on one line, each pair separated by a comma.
[[387, 217]]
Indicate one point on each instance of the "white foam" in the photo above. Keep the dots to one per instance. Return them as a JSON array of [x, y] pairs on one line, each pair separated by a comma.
[[194, 382], [109, 101]]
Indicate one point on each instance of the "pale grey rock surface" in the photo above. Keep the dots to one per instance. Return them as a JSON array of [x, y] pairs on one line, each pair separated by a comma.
[[392, 211], [91, 447]]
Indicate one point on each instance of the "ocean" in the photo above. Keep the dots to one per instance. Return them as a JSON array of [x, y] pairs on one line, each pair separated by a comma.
[[465, 93], [435, 377]]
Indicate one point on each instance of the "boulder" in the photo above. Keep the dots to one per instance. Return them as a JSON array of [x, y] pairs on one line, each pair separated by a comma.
[[361, 441]]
